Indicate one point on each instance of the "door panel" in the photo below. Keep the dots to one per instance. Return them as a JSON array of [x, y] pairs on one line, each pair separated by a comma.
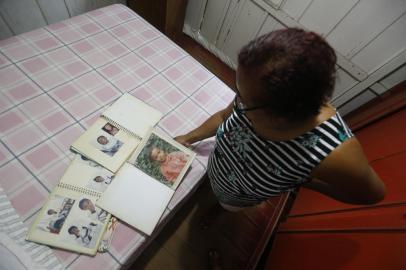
[[338, 251], [382, 218]]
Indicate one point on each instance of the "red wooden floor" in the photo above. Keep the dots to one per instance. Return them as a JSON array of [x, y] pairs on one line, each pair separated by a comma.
[[322, 233]]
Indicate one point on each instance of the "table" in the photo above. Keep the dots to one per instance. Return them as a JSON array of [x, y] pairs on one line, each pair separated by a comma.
[[55, 81]]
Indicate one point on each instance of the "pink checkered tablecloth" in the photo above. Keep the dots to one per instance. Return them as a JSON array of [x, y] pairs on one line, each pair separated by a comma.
[[56, 80]]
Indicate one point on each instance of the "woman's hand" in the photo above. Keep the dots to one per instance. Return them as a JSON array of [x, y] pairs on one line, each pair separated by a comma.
[[207, 129], [184, 140]]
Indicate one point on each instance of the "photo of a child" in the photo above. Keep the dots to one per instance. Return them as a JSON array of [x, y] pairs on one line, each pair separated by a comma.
[[84, 235], [161, 160], [92, 212], [100, 182], [107, 144], [110, 129], [54, 217]]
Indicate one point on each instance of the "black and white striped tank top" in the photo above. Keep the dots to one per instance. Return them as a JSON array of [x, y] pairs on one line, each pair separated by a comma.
[[245, 169]]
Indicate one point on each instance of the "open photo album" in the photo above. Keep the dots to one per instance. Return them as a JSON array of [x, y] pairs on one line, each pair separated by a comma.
[[145, 184], [117, 132], [124, 168], [70, 218]]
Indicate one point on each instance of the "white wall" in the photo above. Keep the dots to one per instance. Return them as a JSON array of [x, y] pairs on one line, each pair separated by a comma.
[[369, 36], [20, 16]]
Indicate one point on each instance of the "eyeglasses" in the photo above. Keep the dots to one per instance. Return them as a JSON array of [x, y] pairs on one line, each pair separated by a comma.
[[241, 107]]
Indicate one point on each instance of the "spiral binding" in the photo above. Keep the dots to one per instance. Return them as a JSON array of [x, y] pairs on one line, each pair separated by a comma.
[[114, 123], [80, 189]]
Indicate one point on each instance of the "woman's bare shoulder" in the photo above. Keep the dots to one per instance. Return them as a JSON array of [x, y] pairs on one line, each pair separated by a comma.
[[347, 169], [348, 158]]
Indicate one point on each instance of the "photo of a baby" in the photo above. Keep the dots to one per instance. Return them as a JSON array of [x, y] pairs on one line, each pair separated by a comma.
[[161, 160], [110, 129], [107, 144]]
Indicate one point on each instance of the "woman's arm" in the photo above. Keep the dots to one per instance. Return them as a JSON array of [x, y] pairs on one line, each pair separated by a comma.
[[346, 176], [207, 129]]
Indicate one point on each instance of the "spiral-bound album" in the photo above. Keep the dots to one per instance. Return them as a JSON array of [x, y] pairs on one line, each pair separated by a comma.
[[70, 218], [117, 132]]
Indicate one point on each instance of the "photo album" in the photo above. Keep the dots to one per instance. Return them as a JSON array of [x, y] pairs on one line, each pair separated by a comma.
[[70, 218], [124, 168], [146, 183], [117, 132]]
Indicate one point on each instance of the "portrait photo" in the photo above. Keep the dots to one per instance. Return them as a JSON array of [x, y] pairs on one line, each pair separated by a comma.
[[91, 211], [161, 160], [83, 233], [100, 181], [110, 129], [106, 144]]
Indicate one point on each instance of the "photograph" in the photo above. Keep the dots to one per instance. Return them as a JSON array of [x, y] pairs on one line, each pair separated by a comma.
[[108, 235], [55, 214], [91, 211], [161, 160], [100, 181], [84, 233], [84, 160], [110, 129], [107, 144]]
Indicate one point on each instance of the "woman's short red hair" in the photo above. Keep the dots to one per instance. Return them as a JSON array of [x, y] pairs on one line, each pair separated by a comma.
[[297, 70]]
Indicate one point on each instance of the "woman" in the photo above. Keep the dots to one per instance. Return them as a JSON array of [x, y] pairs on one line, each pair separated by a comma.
[[280, 132]]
